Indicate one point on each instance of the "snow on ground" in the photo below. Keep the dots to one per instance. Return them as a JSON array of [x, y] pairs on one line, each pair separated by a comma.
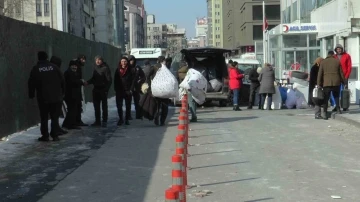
[[11, 145]]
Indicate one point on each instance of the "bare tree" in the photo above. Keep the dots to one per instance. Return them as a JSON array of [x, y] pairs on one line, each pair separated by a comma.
[[15, 8]]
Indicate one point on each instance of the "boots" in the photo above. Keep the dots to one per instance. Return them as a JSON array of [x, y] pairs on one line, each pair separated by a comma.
[[236, 108]]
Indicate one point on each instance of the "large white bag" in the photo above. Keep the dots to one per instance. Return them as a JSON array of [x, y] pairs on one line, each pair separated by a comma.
[[216, 84], [164, 84], [276, 100], [195, 83]]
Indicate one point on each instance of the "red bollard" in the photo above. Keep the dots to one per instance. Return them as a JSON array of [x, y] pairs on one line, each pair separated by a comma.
[[171, 195], [178, 176], [181, 152]]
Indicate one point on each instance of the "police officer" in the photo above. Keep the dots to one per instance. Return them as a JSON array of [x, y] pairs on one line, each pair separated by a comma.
[[80, 61], [47, 81], [139, 79]]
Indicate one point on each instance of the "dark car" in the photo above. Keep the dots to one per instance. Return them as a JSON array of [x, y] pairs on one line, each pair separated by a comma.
[[211, 63]]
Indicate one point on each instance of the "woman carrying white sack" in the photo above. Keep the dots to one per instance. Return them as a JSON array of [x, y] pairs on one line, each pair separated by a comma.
[[163, 87]]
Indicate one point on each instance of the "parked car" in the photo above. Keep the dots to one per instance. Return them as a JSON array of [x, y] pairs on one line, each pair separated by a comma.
[[211, 63]]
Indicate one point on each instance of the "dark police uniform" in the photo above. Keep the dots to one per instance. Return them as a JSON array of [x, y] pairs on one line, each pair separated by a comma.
[[47, 81], [139, 79]]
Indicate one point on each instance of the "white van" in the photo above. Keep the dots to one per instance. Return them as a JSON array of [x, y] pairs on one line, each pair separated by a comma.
[[151, 54]]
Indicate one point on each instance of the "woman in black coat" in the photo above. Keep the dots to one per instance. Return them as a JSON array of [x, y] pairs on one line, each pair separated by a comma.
[[312, 83], [73, 85]]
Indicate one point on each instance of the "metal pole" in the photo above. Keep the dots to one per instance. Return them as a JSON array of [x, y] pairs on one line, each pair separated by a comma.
[[264, 35]]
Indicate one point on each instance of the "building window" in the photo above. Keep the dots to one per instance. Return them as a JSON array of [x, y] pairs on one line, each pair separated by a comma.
[[313, 42], [47, 24], [39, 23], [272, 12], [93, 21], [38, 8], [217, 28], [292, 41], [46, 8], [294, 12], [258, 32], [93, 37], [217, 44]]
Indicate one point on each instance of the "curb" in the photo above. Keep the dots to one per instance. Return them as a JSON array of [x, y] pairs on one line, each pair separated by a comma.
[[344, 119]]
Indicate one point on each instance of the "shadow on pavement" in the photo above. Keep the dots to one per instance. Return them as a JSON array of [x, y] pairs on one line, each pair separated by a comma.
[[262, 199], [227, 182], [210, 143], [209, 153], [35, 173], [225, 164], [226, 120]]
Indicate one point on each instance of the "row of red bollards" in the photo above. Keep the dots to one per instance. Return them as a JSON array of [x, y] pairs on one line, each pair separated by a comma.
[[177, 192]]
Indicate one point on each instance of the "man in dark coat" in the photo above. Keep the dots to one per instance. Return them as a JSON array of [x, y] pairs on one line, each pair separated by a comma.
[[139, 79], [57, 61], [101, 80], [330, 77], [72, 95], [47, 81], [80, 61], [254, 86]]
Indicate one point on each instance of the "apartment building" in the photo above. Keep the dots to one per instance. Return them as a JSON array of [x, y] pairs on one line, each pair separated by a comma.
[[156, 35], [64, 15], [134, 26], [237, 24], [176, 41]]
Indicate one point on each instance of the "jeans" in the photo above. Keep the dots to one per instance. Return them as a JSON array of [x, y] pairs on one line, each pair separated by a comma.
[[192, 106], [235, 96], [332, 99], [335, 90], [120, 97], [100, 98], [263, 97]]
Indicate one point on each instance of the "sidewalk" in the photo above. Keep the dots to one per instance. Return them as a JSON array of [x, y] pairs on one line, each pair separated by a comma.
[[351, 117]]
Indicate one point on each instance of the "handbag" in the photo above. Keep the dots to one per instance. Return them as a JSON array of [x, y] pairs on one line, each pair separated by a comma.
[[318, 93]]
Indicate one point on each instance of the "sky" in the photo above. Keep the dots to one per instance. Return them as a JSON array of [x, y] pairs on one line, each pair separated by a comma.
[[180, 12]]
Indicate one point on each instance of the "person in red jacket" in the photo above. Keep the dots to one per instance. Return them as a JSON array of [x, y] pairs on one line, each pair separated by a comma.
[[235, 84], [346, 65]]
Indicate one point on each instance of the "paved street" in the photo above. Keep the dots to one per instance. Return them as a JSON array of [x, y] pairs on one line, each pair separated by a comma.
[[239, 156]]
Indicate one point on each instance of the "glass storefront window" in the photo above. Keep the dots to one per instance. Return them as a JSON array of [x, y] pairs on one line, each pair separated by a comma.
[[301, 58], [288, 58], [313, 54], [313, 42], [295, 41], [275, 41], [329, 42]]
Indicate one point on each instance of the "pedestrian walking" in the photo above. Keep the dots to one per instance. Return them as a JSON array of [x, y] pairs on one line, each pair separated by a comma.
[[81, 60], [346, 66], [267, 87], [139, 79], [47, 81], [254, 86], [235, 84], [101, 79], [330, 78], [314, 72], [72, 95], [124, 87], [57, 61], [162, 103]]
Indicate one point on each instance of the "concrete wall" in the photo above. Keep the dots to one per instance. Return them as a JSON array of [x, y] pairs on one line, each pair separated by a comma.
[[19, 44]]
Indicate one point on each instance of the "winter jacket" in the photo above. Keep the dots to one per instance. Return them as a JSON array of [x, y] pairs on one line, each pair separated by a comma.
[[72, 86], [345, 61], [313, 82], [330, 73], [101, 78], [139, 75], [47, 81], [124, 83], [234, 78], [267, 79], [254, 77]]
